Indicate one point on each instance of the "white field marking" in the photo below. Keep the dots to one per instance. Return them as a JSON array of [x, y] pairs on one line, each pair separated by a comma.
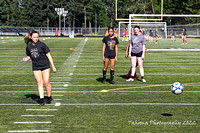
[[146, 61], [103, 104], [37, 115], [41, 109], [71, 74], [57, 95], [173, 74], [65, 85], [130, 104], [25, 85], [53, 99], [19, 104], [28, 131], [57, 104], [153, 85], [144, 66], [32, 122], [67, 66], [59, 88], [173, 49], [8, 66], [60, 82]]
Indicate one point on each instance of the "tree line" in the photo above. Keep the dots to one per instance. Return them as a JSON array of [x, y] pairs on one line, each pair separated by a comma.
[[90, 13]]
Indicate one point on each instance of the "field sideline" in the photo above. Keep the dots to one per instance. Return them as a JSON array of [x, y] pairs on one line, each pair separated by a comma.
[[83, 104]]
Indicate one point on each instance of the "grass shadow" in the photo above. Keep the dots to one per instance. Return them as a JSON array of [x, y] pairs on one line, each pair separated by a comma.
[[30, 98], [166, 114]]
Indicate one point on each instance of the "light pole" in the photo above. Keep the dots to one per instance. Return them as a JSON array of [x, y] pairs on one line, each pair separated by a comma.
[[59, 12], [64, 15]]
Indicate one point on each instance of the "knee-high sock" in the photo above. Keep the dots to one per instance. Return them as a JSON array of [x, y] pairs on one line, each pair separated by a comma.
[[112, 73]]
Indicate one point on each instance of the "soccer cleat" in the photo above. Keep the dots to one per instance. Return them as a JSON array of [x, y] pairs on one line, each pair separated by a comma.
[[128, 75], [143, 80], [48, 101], [136, 78], [130, 79], [112, 82], [42, 103], [104, 81]]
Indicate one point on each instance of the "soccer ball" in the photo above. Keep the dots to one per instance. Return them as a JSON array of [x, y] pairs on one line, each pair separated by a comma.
[[177, 88]]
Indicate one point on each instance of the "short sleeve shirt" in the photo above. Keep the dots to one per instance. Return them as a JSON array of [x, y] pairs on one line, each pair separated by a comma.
[[137, 42], [184, 33], [110, 45], [38, 55], [151, 32]]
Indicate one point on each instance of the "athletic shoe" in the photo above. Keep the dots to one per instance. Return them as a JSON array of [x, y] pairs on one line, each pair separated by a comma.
[[182, 43], [143, 80], [128, 75], [130, 79], [48, 101], [112, 82], [136, 78], [42, 103], [104, 81]]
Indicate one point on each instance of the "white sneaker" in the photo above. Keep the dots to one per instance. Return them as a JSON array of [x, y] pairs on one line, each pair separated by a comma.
[[143, 80], [130, 79]]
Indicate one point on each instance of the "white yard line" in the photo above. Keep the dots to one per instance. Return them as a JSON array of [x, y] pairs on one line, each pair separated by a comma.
[[32, 122], [109, 104], [41, 109], [91, 85], [37, 115], [118, 104], [67, 68], [28, 131]]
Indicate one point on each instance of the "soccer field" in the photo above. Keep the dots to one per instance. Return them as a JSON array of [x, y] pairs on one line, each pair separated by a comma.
[[79, 103]]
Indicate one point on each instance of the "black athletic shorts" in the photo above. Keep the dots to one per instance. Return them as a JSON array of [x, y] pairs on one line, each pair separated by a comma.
[[137, 54], [41, 68], [109, 57]]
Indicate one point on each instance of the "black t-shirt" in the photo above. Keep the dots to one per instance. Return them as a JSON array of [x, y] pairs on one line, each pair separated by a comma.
[[110, 45], [38, 55], [156, 33], [151, 32], [184, 33]]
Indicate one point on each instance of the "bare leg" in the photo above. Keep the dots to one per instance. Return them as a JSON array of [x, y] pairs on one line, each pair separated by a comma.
[[38, 77], [46, 80]]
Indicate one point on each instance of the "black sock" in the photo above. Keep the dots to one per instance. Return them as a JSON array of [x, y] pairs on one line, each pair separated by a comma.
[[112, 73], [48, 97], [142, 77], [156, 40], [41, 100], [104, 74]]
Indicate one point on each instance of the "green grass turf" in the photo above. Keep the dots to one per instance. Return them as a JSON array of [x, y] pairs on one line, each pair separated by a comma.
[[18, 86]]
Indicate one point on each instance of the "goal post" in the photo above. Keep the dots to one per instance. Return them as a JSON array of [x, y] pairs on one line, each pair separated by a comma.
[[161, 26], [139, 18]]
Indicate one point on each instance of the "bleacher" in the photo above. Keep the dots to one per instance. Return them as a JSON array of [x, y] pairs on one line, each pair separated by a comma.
[[20, 31]]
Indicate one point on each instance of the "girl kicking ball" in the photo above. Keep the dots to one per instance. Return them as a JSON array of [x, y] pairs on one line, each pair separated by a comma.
[[40, 55], [109, 54]]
